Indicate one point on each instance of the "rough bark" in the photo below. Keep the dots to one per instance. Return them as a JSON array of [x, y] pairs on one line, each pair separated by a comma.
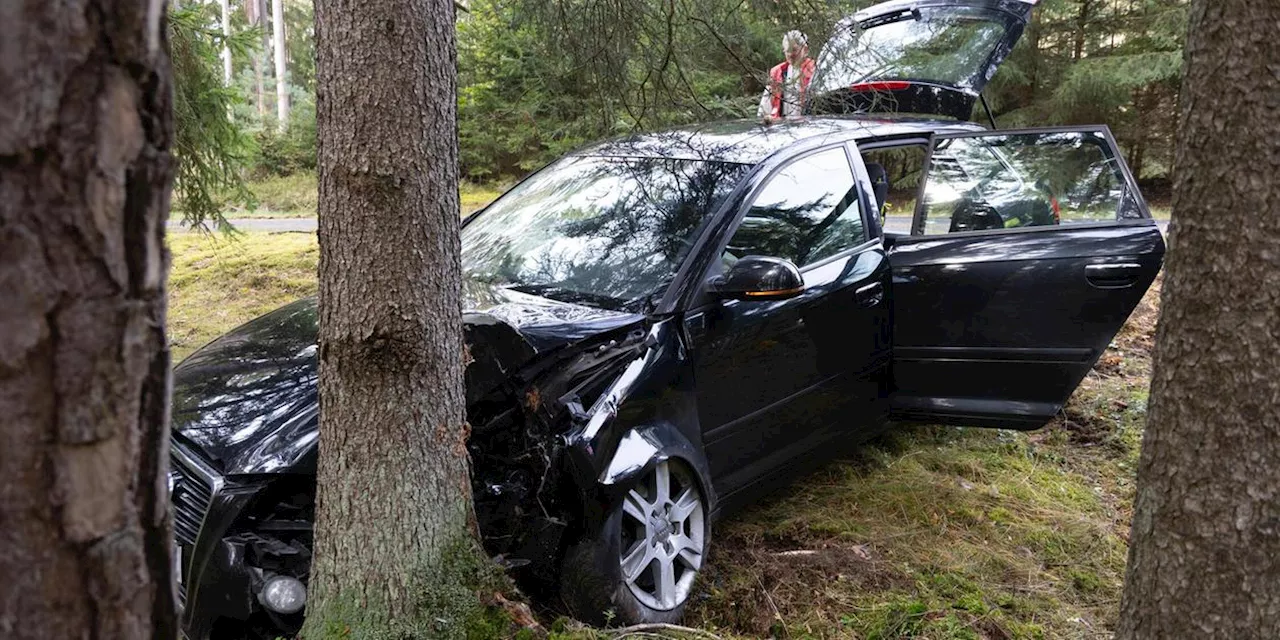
[[85, 172], [393, 491], [282, 72], [1204, 560]]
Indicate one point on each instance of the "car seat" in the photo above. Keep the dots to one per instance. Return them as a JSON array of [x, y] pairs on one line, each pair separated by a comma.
[[880, 183]]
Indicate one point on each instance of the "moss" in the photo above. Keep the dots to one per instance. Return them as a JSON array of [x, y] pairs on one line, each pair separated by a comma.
[[449, 603], [218, 282]]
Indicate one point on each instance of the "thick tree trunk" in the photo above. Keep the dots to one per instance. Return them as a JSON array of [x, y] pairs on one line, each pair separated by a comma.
[[282, 72], [1204, 560], [394, 494], [85, 171]]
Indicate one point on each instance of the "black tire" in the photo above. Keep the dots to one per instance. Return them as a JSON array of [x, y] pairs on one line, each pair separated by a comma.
[[592, 585]]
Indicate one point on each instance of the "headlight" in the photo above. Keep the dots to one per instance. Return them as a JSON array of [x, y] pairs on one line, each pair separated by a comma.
[[283, 594]]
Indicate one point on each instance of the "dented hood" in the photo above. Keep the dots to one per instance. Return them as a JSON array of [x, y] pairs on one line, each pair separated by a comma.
[[248, 400]]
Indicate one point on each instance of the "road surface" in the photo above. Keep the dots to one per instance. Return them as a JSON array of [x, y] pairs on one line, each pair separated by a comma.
[[893, 224]]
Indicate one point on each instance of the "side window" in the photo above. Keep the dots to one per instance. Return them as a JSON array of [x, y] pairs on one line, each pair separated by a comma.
[[1017, 180], [808, 211], [895, 173]]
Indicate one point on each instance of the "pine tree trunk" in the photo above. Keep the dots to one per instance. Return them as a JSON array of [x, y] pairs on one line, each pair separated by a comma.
[[394, 499], [85, 173], [1082, 28], [1204, 560], [282, 72]]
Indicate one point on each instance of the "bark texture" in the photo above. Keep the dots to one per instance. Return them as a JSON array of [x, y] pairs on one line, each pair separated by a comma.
[[85, 173], [1204, 560], [394, 496]]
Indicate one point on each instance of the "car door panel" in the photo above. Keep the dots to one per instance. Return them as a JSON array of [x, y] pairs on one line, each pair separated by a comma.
[[997, 328], [773, 377], [779, 377]]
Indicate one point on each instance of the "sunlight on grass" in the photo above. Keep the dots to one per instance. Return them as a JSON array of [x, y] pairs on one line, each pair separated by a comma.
[[219, 282]]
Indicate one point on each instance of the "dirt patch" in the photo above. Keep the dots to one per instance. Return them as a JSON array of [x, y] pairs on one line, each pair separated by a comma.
[[765, 584], [1138, 336]]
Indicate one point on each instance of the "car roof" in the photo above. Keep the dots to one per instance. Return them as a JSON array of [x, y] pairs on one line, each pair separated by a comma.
[[750, 142]]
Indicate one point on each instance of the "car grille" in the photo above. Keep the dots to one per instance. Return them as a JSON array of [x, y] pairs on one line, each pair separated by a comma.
[[192, 485]]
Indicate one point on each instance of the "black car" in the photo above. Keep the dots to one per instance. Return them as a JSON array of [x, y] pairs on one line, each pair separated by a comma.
[[665, 326]]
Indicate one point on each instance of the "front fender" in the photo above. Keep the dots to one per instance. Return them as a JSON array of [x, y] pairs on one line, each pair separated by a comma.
[[637, 452]]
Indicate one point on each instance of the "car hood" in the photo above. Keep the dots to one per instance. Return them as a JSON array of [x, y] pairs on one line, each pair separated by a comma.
[[247, 402]]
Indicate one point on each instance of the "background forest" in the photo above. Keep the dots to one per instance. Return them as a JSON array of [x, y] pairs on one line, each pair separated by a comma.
[[538, 78]]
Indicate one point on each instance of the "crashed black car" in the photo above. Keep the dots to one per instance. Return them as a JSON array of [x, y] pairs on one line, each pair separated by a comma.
[[666, 325]]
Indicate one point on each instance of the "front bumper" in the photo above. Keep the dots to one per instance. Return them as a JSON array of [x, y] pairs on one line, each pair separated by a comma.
[[215, 581]]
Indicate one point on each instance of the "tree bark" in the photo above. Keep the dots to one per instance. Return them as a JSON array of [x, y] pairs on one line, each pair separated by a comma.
[[1204, 559], [282, 71], [226, 33], [394, 500], [85, 173]]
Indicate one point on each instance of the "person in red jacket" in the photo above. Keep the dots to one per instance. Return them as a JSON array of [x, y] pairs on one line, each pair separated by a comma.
[[789, 80]]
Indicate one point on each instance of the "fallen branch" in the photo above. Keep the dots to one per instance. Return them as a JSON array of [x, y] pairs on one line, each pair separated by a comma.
[[642, 630]]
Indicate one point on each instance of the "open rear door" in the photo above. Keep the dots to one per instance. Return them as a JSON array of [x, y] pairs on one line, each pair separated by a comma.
[[916, 56], [1028, 252]]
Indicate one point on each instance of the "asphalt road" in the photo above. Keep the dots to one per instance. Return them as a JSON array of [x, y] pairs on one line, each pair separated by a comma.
[[893, 224], [260, 224]]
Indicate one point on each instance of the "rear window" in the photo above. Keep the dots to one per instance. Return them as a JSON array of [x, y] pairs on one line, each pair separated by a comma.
[[950, 46]]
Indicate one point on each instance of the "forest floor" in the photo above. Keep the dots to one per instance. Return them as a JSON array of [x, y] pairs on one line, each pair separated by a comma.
[[929, 532], [295, 197]]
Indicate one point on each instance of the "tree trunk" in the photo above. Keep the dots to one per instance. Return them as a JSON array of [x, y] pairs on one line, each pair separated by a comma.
[[1204, 559], [1082, 29], [394, 500], [282, 85], [85, 172], [226, 33], [260, 56]]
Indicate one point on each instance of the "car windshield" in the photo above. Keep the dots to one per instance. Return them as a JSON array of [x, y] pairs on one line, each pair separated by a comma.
[[602, 231], [949, 46]]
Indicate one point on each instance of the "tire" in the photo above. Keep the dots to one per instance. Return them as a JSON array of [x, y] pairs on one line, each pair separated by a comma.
[[632, 572]]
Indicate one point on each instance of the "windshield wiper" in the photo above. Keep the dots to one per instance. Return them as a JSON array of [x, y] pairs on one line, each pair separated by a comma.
[[897, 16]]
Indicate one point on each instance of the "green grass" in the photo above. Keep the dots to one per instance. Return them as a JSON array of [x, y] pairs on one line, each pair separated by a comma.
[[295, 197], [929, 532], [219, 282]]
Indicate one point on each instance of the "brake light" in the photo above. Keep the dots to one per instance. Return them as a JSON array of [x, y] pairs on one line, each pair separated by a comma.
[[889, 85], [1057, 210]]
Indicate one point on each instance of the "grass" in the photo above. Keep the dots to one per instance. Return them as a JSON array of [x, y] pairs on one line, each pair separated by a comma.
[[219, 282], [929, 532], [295, 197]]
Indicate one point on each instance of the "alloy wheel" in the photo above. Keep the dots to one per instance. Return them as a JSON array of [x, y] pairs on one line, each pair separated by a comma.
[[663, 536]]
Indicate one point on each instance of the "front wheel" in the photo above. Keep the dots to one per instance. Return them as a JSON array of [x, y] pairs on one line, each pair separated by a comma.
[[640, 565]]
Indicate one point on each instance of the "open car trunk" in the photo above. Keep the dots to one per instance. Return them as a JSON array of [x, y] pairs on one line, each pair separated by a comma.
[[927, 57]]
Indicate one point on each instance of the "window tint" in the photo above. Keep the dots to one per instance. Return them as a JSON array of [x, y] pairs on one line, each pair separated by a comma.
[[808, 211], [1024, 180]]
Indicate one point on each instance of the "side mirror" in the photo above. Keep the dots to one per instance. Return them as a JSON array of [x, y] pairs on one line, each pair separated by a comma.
[[759, 278]]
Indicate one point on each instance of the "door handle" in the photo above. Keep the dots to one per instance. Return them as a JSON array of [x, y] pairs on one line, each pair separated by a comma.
[[870, 295], [1113, 276]]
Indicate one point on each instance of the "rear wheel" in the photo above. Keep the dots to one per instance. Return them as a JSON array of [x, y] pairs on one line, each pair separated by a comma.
[[641, 564]]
